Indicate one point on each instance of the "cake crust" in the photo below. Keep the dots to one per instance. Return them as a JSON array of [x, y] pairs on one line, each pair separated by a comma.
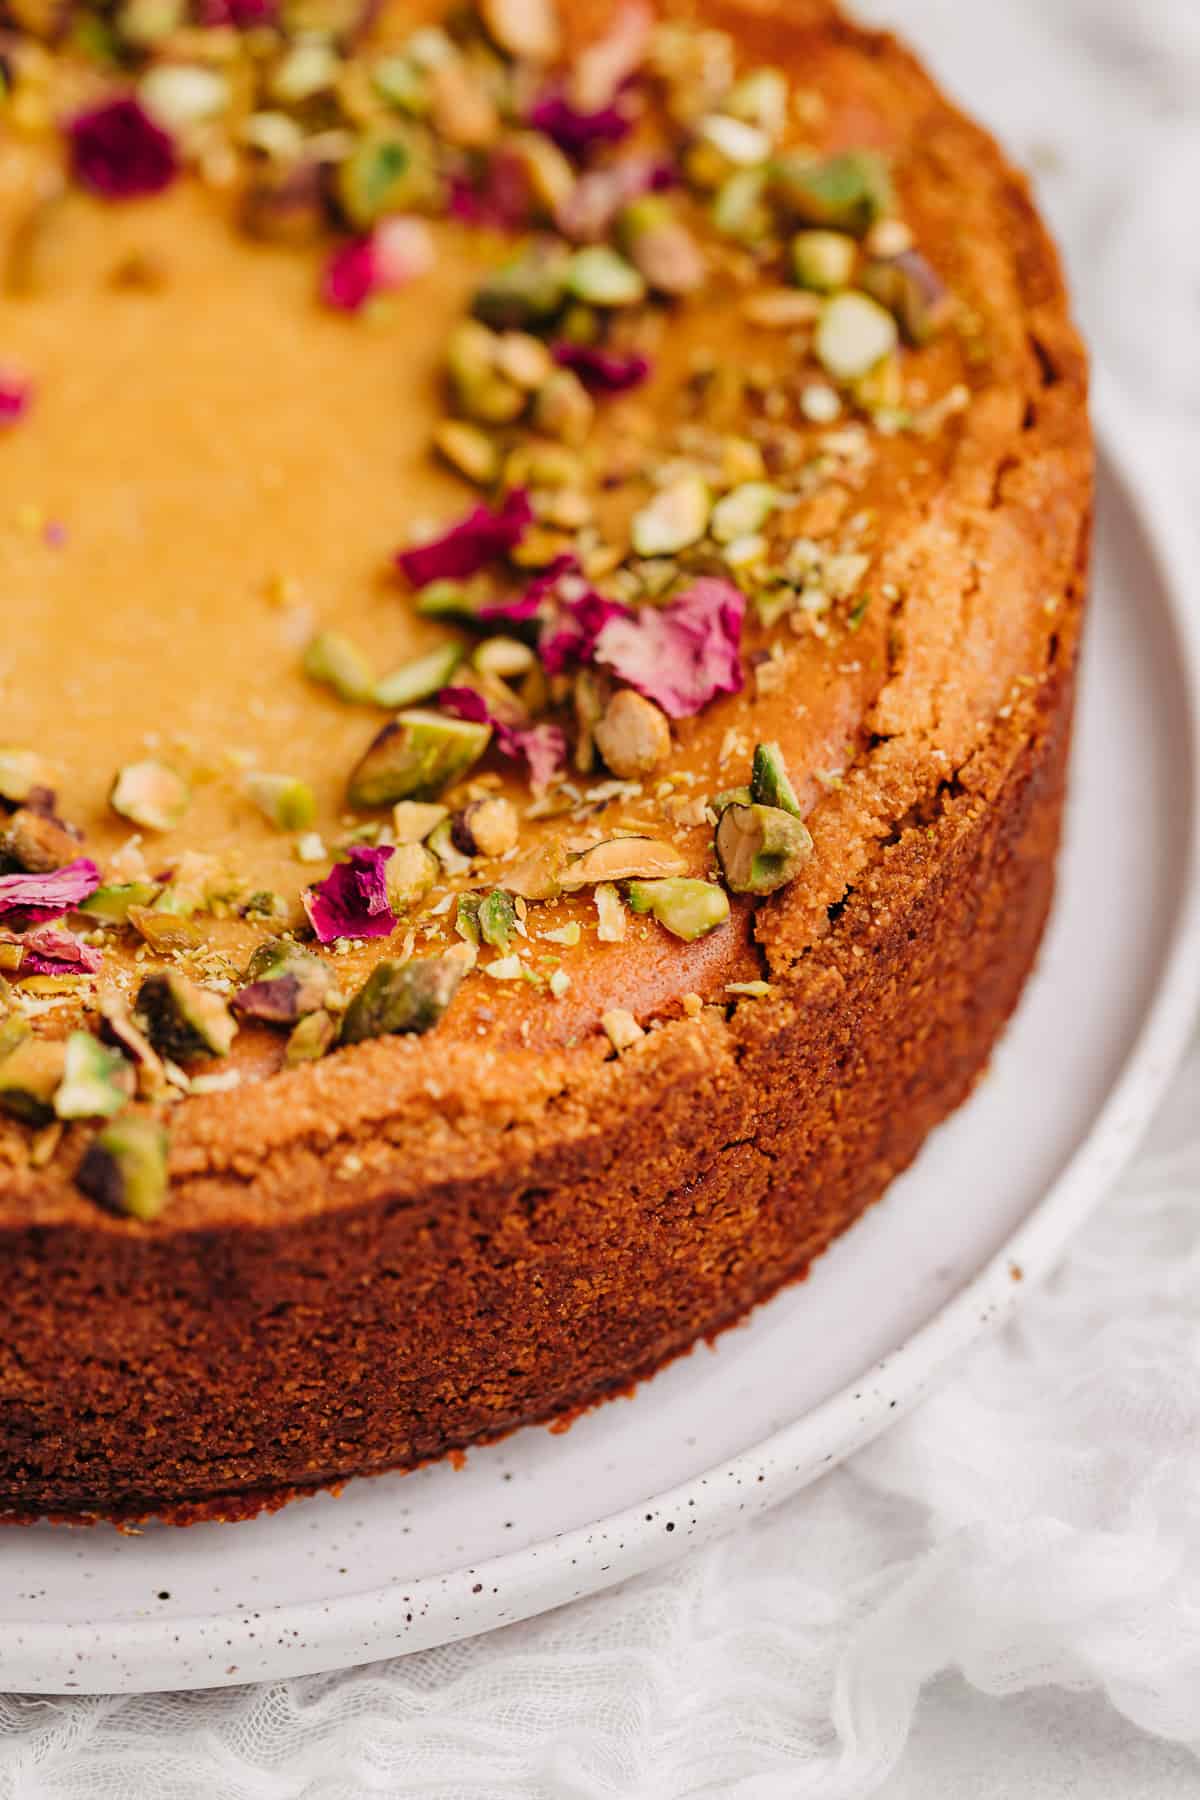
[[421, 1244]]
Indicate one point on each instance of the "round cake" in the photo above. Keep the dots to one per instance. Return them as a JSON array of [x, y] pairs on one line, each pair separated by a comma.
[[543, 551]]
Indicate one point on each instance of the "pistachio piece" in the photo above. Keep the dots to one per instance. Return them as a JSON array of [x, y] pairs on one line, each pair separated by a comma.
[[97, 1082], [564, 409], [742, 511], [111, 904], [310, 1039], [409, 873], [415, 756], [823, 260], [151, 795], [547, 171], [623, 859], [282, 982], [538, 874], [469, 450], [30, 1076], [853, 334], [660, 246], [401, 997], [769, 781], [337, 662], [37, 843], [621, 1028], [732, 143], [610, 913], [116, 1024], [528, 290], [183, 1020], [740, 210], [598, 276], [285, 800], [633, 736], [676, 517], [487, 827], [179, 95], [478, 387], [761, 98], [845, 192], [389, 170], [449, 598], [418, 679], [524, 28], [911, 291], [451, 858], [124, 1168], [503, 657], [166, 933], [688, 909], [21, 774], [487, 918], [760, 848], [413, 820]]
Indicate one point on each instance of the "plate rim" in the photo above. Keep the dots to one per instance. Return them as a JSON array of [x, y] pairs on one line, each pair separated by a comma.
[[373, 1623]]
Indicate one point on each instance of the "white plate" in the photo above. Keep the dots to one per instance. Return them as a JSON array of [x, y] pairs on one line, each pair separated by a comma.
[[407, 1561]]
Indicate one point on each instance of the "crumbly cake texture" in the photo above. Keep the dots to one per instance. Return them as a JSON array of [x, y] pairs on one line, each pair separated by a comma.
[[419, 1242]]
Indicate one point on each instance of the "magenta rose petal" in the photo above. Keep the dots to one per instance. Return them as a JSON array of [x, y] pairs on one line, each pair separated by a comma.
[[120, 152], [352, 901], [577, 133], [16, 397], [683, 655], [604, 371], [37, 899], [482, 537], [50, 951], [542, 748]]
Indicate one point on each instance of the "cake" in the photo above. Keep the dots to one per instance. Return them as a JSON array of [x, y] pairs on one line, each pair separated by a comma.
[[543, 555]]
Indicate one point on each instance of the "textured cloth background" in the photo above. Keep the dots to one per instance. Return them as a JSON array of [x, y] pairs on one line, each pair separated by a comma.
[[1002, 1596]]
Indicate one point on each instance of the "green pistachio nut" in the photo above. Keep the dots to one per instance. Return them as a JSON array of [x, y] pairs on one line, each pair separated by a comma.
[[415, 756], [845, 192], [770, 784], [675, 518], [409, 873], [182, 1020], [30, 1075], [497, 918], [527, 291], [563, 409], [124, 1168], [403, 84], [479, 388], [151, 795], [401, 997], [742, 511], [97, 1082], [413, 820], [418, 680], [441, 843], [911, 291], [760, 848], [740, 209], [599, 276], [285, 800], [282, 983], [548, 174], [446, 598], [823, 260], [760, 98], [338, 663], [660, 246], [388, 171], [487, 827], [111, 904], [310, 1039], [469, 450], [688, 909], [854, 333]]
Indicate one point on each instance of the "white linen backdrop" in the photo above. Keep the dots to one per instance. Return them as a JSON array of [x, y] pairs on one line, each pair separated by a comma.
[[1002, 1595]]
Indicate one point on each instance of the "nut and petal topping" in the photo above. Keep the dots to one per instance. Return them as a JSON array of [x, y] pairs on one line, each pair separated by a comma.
[[402, 997], [760, 848], [124, 1168], [623, 859], [687, 909], [353, 900], [183, 1020], [417, 755]]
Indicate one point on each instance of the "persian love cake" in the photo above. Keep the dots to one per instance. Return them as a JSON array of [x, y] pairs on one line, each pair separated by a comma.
[[541, 563]]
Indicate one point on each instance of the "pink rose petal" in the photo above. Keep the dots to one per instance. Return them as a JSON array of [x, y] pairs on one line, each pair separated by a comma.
[[36, 899], [482, 537], [352, 901], [120, 152], [604, 371], [498, 195], [542, 748], [16, 397], [575, 132], [50, 951], [682, 655], [587, 213], [396, 252]]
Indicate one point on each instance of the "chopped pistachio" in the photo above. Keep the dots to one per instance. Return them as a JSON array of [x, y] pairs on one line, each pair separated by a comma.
[[97, 1082], [623, 859], [30, 1075], [165, 933], [471, 451], [487, 827], [415, 756], [740, 209], [846, 192], [688, 909], [458, 598], [310, 848], [20, 774], [761, 98], [675, 518], [781, 309], [738, 143], [409, 873], [568, 934], [151, 794], [117, 1023], [760, 848], [413, 820], [478, 387], [338, 663], [564, 409], [403, 84], [854, 333], [503, 657], [660, 246], [305, 70], [749, 990], [743, 511], [524, 28], [770, 784], [559, 983], [496, 918], [183, 1020], [881, 392], [285, 800], [36, 842], [125, 1167], [112, 903], [911, 291], [401, 997], [621, 1028], [179, 95], [389, 170], [538, 874], [547, 171], [417, 680], [633, 736], [528, 290], [310, 1038], [823, 260], [505, 968], [523, 359], [282, 982], [599, 276], [610, 914]]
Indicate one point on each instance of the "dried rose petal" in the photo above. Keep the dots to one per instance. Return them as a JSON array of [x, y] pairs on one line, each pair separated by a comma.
[[480, 538], [36, 899], [683, 655], [498, 195], [16, 397], [523, 607], [587, 213], [243, 15], [578, 133], [49, 951], [397, 251], [542, 748], [604, 371], [573, 627], [352, 901], [120, 152]]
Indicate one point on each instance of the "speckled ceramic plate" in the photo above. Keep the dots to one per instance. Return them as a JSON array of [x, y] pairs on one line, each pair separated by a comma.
[[402, 1562]]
